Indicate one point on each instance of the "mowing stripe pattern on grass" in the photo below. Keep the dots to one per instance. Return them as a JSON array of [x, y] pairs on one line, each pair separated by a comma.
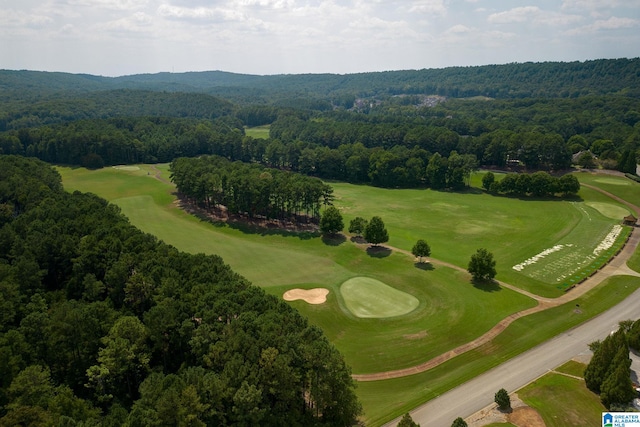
[[370, 298]]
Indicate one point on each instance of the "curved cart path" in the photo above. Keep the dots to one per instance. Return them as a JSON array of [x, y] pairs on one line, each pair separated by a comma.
[[616, 266]]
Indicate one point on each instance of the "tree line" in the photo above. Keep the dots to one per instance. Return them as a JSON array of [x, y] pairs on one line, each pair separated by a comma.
[[249, 189], [101, 324], [538, 184], [515, 80]]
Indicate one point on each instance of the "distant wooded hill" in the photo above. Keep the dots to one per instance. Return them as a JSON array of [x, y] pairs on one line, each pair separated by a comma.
[[517, 80]]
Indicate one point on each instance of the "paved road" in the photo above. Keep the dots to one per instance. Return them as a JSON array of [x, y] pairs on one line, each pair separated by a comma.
[[478, 393]]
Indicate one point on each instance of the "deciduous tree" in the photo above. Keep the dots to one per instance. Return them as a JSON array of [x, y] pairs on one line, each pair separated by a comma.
[[482, 266], [375, 232], [421, 249], [357, 226], [331, 221]]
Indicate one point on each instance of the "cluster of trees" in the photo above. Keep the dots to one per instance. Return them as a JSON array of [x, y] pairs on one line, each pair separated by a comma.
[[431, 132], [249, 189], [609, 371], [373, 231], [101, 324], [539, 184], [98, 142]]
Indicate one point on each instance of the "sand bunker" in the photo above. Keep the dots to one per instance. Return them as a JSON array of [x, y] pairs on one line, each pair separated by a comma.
[[311, 296], [126, 168]]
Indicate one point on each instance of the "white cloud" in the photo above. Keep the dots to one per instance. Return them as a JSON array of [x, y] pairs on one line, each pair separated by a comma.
[[110, 4], [431, 7], [613, 23], [200, 13], [137, 22], [458, 29], [271, 4], [598, 4], [532, 14], [13, 18], [518, 14]]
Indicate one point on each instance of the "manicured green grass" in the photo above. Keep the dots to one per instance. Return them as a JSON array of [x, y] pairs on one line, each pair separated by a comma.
[[619, 185], [451, 310], [386, 400], [609, 210], [563, 401], [572, 368], [514, 230], [446, 317], [370, 298]]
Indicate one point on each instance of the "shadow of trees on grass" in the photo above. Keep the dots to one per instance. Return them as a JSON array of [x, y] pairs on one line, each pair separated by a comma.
[[426, 266], [333, 239], [486, 285], [378, 251]]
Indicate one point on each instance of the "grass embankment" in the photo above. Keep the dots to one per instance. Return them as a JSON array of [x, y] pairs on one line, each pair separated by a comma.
[[564, 401], [385, 400], [446, 316]]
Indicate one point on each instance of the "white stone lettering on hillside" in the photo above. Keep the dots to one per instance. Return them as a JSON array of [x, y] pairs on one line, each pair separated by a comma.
[[608, 241], [536, 258]]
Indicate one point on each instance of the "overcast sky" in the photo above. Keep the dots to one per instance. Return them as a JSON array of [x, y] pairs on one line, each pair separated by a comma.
[[120, 37]]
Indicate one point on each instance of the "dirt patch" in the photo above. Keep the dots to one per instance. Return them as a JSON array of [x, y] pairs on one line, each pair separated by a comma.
[[521, 415], [220, 214], [525, 417], [416, 336], [310, 296]]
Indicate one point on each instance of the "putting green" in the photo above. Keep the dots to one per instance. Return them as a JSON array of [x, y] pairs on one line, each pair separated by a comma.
[[609, 210], [370, 298], [612, 181]]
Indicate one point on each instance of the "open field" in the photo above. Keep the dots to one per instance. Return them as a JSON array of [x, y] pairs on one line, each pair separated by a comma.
[[258, 132], [450, 311], [385, 400], [514, 230], [278, 262], [563, 401]]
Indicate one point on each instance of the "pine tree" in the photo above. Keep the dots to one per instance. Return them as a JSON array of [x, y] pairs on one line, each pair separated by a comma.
[[617, 387], [602, 360], [459, 422], [503, 400], [407, 421]]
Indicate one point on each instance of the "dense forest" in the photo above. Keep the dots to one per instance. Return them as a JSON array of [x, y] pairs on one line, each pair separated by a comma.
[[395, 131], [101, 324], [516, 80]]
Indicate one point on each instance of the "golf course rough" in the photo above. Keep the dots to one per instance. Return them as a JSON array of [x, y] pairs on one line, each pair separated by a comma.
[[370, 298]]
